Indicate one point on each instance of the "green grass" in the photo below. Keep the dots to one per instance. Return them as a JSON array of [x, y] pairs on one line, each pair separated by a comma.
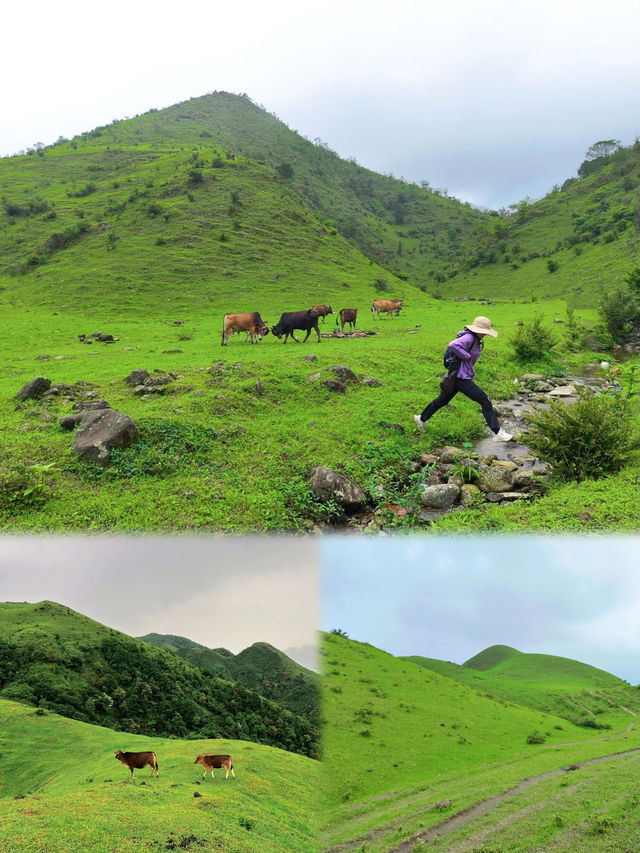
[[399, 739], [112, 232], [62, 789]]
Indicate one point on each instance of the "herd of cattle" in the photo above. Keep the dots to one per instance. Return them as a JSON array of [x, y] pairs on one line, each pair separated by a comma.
[[138, 760], [291, 321]]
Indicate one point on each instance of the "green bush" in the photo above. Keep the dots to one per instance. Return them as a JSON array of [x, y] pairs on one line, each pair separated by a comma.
[[584, 440], [533, 340], [620, 308], [24, 486], [535, 737]]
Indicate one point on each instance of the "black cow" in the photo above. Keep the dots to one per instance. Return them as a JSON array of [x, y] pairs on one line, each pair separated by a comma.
[[292, 320]]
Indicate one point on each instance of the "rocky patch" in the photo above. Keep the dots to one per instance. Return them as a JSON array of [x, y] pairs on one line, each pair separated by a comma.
[[327, 485]]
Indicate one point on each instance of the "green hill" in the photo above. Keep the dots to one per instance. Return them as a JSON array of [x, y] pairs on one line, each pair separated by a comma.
[[581, 693], [261, 668], [152, 228], [405, 747], [62, 789], [56, 659]]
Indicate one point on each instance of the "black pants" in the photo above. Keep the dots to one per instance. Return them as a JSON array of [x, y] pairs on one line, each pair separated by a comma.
[[469, 388]]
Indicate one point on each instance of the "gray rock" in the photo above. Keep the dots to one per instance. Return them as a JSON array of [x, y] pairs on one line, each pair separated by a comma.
[[499, 497], [439, 497], [531, 377], [563, 391], [102, 431], [450, 454], [70, 422], [156, 381], [259, 387], [327, 484], [136, 377], [34, 389], [314, 377], [309, 357], [506, 464], [495, 479], [335, 385], [372, 381], [470, 494], [543, 386], [90, 405], [345, 373]]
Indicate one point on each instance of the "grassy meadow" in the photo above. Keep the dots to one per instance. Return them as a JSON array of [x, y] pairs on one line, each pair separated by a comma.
[[152, 228], [405, 748], [62, 789]]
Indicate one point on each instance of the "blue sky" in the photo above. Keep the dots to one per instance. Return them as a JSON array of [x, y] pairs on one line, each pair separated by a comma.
[[449, 598], [493, 101]]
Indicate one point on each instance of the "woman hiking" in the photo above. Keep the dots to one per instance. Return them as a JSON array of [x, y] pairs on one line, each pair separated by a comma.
[[460, 358]]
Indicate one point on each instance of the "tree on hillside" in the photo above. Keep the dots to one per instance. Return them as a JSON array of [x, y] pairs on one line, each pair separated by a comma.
[[603, 148], [285, 171]]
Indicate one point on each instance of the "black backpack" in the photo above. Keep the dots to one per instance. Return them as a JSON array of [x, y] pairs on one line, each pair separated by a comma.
[[451, 359]]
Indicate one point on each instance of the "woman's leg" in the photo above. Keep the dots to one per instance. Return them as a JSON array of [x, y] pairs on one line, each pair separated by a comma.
[[438, 403], [473, 392]]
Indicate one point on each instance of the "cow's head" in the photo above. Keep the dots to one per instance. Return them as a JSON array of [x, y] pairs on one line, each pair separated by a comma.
[[277, 330], [262, 331], [119, 755], [329, 310]]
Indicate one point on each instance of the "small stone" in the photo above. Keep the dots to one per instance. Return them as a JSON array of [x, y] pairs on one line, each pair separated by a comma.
[[450, 454], [198, 393], [136, 377], [43, 357], [429, 459], [470, 494], [314, 377], [309, 357], [259, 387], [372, 382], [335, 385], [495, 479], [155, 381], [327, 484], [456, 481], [531, 377], [506, 464], [34, 389], [488, 458], [344, 372], [70, 422], [563, 391], [197, 794], [90, 405]]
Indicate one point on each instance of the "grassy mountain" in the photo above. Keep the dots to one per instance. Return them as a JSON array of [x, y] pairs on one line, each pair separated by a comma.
[[405, 747], [261, 668], [59, 660], [577, 691], [62, 789], [152, 228]]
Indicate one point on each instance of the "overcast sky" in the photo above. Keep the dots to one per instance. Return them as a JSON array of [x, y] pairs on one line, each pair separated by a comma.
[[449, 599], [228, 592], [494, 100]]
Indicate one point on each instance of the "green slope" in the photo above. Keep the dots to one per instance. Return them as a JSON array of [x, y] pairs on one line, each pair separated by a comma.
[[400, 739], [260, 667], [577, 691], [62, 789], [54, 658]]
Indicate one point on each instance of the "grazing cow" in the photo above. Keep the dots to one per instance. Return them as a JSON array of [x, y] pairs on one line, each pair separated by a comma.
[[292, 320], [322, 311], [209, 762], [386, 306], [251, 323], [138, 760], [347, 315]]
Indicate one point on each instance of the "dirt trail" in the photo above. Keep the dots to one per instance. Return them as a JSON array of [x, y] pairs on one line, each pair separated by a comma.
[[467, 815]]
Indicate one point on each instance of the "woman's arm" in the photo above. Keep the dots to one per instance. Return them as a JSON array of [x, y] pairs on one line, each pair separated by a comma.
[[462, 345]]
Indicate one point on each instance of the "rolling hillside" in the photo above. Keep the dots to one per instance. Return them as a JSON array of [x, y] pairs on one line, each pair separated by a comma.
[[261, 668], [151, 229], [62, 789], [405, 748], [56, 659]]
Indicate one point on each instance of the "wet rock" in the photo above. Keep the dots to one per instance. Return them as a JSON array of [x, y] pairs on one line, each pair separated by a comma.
[[526, 480], [488, 458], [34, 389], [501, 497], [506, 464], [450, 454], [495, 479], [541, 469], [543, 386], [102, 431], [345, 373], [470, 494], [327, 484], [563, 391], [335, 385], [136, 377], [439, 497]]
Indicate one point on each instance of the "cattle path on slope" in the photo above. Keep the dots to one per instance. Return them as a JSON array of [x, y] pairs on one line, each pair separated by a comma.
[[610, 736], [467, 815]]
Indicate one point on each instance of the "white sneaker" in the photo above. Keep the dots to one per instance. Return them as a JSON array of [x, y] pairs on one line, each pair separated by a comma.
[[502, 435], [419, 422]]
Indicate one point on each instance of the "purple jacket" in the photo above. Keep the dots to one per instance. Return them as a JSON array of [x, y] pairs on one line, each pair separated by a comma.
[[468, 347]]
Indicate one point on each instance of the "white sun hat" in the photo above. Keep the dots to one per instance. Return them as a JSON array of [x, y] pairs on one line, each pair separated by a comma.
[[482, 326]]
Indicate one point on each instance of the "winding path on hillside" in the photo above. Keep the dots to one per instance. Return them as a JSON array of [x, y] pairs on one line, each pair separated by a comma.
[[467, 815]]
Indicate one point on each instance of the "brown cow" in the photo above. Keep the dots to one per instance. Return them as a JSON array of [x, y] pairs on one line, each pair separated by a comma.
[[209, 762], [251, 323], [347, 315], [138, 760], [386, 306], [322, 311]]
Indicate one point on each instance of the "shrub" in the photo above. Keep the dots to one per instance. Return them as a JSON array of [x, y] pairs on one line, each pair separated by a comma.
[[620, 308], [533, 340], [586, 439], [24, 486], [535, 737], [552, 265]]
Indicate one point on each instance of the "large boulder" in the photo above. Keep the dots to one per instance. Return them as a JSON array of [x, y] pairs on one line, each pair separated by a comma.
[[470, 494], [34, 389], [327, 484], [440, 497], [102, 431], [345, 373], [136, 377]]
